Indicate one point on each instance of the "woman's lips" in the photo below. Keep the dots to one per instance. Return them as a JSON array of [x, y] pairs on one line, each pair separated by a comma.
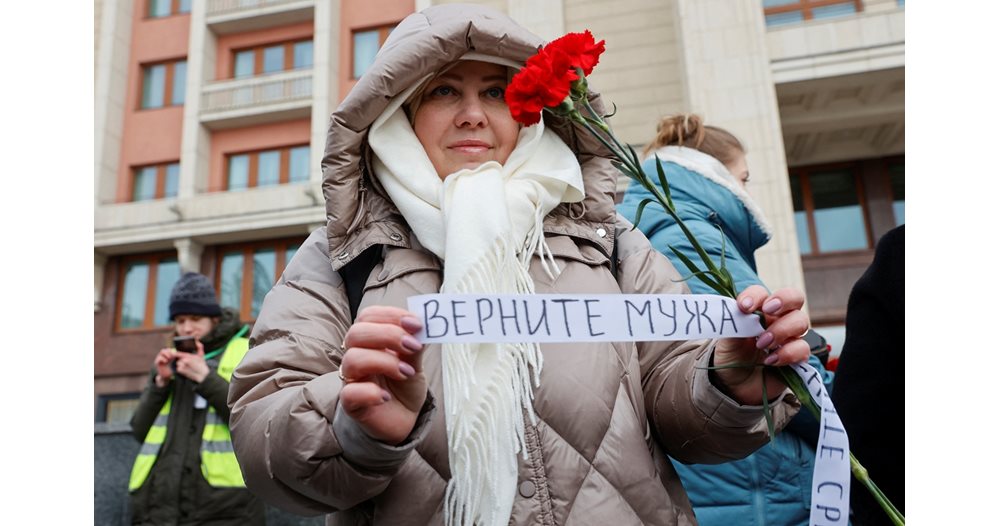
[[472, 147]]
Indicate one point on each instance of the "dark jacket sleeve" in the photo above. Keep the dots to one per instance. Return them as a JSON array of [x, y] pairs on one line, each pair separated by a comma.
[[215, 390], [150, 403], [869, 386]]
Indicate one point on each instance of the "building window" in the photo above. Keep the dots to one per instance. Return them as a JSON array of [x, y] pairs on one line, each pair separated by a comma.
[[144, 291], [267, 167], [828, 213], [780, 12], [163, 84], [272, 58], [116, 407], [155, 182], [896, 186], [247, 272], [365, 44], [162, 8]]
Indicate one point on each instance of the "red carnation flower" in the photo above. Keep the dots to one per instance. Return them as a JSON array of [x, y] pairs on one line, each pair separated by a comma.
[[584, 53], [547, 77], [543, 82]]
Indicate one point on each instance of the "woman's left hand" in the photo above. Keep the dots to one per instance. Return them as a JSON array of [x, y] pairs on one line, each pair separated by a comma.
[[193, 365], [786, 324]]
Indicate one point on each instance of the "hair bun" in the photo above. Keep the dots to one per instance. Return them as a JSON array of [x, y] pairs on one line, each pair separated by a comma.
[[689, 130]]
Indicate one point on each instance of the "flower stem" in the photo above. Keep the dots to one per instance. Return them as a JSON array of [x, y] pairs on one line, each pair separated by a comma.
[[798, 387], [790, 378]]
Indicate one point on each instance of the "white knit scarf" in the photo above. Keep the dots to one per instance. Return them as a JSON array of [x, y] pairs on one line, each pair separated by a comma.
[[485, 224]]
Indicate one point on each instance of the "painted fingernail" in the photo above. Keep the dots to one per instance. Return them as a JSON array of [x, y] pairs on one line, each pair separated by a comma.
[[771, 306], [386, 396], [771, 359], [765, 340], [411, 344], [411, 324], [407, 369], [746, 303]]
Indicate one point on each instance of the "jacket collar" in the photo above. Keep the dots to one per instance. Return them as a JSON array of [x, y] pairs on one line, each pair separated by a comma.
[[710, 168]]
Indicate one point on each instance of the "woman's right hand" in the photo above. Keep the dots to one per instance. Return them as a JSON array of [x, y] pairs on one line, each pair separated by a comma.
[[384, 385], [162, 364]]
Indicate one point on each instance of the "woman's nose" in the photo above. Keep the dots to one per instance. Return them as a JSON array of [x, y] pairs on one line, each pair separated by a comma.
[[471, 113]]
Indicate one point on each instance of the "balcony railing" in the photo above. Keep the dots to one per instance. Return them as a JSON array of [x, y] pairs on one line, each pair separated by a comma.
[[225, 7], [257, 91]]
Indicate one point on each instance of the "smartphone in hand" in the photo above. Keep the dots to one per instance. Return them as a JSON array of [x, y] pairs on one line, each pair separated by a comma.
[[185, 344]]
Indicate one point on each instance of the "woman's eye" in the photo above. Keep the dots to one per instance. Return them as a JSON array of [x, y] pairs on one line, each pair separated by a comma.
[[442, 91], [494, 93]]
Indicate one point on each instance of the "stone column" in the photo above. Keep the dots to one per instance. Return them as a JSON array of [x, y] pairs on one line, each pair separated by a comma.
[[195, 139], [189, 254], [727, 79], [326, 84], [110, 82]]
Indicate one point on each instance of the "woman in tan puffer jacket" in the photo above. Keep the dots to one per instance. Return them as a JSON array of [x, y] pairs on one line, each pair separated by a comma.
[[425, 171]]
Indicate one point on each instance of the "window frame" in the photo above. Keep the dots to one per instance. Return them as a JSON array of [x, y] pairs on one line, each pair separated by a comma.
[[153, 260], [101, 412], [855, 169], [258, 57], [886, 165], [253, 164], [383, 34], [280, 246], [806, 7], [168, 83], [161, 180], [175, 9]]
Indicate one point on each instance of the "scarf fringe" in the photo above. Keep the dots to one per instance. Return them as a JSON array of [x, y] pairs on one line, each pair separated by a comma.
[[488, 421]]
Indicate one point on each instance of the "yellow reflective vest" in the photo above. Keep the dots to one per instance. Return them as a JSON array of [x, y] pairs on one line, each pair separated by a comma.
[[218, 461]]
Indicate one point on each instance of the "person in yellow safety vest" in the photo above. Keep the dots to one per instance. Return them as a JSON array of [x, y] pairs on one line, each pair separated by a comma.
[[186, 472]]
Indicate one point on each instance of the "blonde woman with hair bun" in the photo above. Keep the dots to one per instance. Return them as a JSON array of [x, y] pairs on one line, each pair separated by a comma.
[[707, 172]]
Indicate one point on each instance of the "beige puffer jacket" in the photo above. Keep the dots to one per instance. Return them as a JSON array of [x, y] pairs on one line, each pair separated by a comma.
[[606, 412]]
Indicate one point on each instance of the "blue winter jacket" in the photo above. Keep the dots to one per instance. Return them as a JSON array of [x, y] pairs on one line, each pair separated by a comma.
[[773, 486]]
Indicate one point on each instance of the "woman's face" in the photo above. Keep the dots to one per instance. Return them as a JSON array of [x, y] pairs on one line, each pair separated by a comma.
[[193, 325], [463, 120], [738, 167]]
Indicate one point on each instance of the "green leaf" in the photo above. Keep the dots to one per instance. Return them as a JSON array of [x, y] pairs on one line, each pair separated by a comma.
[[635, 156], [722, 259], [663, 181], [767, 406], [638, 211], [704, 276], [742, 365], [697, 246], [695, 275], [614, 108], [623, 169]]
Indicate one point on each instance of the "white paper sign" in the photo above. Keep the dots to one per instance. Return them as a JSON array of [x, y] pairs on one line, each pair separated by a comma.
[[549, 318], [831, 488]]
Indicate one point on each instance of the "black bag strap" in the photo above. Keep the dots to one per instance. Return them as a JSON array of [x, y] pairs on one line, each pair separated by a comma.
[[355, 275], [614, 257]]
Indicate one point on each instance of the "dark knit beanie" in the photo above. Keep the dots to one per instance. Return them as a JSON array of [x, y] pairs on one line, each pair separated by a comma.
[[193, 294]]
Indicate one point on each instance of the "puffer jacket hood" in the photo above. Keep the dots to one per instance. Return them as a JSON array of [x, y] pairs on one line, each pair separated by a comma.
[[359, 213]]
